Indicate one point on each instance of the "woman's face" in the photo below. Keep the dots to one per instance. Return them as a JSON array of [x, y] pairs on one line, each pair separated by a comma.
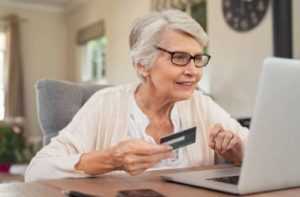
[[171, 81]]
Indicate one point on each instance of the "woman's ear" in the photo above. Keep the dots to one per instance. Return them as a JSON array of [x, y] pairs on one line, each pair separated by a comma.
[[141, 70]]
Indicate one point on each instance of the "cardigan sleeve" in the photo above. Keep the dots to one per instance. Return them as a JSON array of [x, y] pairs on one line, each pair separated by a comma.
[[203, 112], [216, 114], [58, 158], [101, 123]]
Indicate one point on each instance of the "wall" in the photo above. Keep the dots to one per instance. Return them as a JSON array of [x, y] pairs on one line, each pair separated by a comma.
[[296, 28], [236, 60], [237, 57], [43, 52], [118, 16]]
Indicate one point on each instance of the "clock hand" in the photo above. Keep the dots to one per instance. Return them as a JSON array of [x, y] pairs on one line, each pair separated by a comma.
[[261, 6], [242, 7]]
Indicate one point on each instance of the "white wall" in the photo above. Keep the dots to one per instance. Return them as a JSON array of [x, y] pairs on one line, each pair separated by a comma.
[[237, 57], [236, 60], [43, 53]]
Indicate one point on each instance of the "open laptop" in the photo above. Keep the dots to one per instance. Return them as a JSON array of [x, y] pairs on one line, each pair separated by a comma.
[[272, 153]]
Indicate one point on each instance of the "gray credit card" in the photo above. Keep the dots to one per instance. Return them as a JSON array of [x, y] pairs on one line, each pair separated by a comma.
[[180, 139]]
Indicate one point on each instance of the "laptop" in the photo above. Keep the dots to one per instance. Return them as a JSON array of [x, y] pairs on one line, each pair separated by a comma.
[[272, 152]]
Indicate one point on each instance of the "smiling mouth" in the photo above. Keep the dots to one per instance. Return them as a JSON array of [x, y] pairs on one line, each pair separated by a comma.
[[188, 84]]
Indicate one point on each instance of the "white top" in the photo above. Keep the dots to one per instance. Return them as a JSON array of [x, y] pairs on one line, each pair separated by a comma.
[[137, 129]]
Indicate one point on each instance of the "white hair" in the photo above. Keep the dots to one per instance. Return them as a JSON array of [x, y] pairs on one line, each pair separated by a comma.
[[147, 29]]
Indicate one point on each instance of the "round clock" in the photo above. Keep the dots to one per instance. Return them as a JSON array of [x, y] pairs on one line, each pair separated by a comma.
[[244, 15]]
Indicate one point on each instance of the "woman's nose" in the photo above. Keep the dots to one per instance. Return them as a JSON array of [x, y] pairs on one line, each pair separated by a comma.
[[190, 68]]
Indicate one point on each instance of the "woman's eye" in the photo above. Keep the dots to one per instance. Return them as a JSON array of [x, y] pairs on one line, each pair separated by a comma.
[[199, 58], [180, 56]]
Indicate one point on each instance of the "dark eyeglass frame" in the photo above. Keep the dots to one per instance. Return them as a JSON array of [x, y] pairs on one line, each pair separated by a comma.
[[190, 57]]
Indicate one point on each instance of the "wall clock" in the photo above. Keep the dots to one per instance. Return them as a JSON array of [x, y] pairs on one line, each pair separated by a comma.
[[244, 15]]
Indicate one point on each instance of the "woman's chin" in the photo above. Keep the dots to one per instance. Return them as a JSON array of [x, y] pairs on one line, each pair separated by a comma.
[[183, 96], [184, 93]]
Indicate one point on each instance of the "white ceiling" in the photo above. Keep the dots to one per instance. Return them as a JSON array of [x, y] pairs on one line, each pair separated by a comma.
[[60, 4]]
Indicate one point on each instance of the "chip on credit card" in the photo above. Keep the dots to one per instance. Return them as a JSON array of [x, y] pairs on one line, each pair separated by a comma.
[[180, 139]]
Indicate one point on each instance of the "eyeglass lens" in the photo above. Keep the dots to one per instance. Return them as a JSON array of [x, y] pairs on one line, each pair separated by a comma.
[[181, 58]]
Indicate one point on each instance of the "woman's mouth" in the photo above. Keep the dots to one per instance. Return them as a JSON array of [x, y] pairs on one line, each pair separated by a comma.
[[187, 84]]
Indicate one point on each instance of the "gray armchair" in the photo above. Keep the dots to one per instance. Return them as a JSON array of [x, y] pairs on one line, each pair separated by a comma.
[[57, 103]]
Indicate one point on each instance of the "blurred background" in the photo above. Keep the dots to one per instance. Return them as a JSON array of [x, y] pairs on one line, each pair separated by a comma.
[[86, 41]]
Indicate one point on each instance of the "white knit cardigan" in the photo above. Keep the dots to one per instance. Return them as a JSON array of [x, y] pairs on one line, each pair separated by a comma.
[[103, 122]]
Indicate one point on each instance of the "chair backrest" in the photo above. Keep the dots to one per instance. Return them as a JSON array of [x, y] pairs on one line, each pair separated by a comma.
[[57, 103]]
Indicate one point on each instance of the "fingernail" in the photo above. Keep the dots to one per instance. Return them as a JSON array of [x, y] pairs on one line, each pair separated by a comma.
[[170, 147]]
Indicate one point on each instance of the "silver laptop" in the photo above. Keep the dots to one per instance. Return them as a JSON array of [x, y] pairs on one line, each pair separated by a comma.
[[272, 153]]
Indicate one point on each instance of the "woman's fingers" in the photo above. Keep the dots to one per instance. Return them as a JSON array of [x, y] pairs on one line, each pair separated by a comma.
[[135, 164], [214, 137], [135, 156], [221, 140], [233, 142], [137, 146], [215, 131], [226, 141], [138, 159]]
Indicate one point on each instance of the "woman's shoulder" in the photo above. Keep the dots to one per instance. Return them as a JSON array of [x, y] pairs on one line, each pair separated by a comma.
[[199, 100], [199, 97], [109, 97], [112, 92]]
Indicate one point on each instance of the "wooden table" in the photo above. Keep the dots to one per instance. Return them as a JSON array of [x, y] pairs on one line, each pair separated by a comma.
[[8, 178], [108, 186]]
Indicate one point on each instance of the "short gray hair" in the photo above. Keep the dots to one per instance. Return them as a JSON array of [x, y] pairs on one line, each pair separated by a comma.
[[147, 29]]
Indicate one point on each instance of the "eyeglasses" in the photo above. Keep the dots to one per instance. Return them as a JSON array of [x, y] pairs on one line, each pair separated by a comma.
[[182, 58]]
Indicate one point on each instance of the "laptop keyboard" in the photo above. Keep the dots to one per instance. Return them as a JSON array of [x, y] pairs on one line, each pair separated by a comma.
[[229, 179]]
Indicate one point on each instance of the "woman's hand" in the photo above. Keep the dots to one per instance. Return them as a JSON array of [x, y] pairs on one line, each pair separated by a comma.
[[135, 156], [226, 143]]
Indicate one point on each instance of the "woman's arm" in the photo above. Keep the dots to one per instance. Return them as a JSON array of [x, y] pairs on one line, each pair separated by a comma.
[[226, 136], [226, 143], [58, 158], [133, 156]]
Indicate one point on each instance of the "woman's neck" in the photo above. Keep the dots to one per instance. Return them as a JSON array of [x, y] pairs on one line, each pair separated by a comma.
[[151, 103]]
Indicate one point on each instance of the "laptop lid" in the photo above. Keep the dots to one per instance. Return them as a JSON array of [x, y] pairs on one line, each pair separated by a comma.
[[272, 157]]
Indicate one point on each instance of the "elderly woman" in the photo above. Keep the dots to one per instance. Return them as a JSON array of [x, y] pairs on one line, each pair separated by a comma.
[[119, 128]]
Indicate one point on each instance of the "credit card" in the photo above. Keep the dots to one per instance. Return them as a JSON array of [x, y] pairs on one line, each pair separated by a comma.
[[180, 139]]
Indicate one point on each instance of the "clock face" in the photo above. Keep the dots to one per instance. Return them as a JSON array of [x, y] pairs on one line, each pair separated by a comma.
[[243, 15]]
